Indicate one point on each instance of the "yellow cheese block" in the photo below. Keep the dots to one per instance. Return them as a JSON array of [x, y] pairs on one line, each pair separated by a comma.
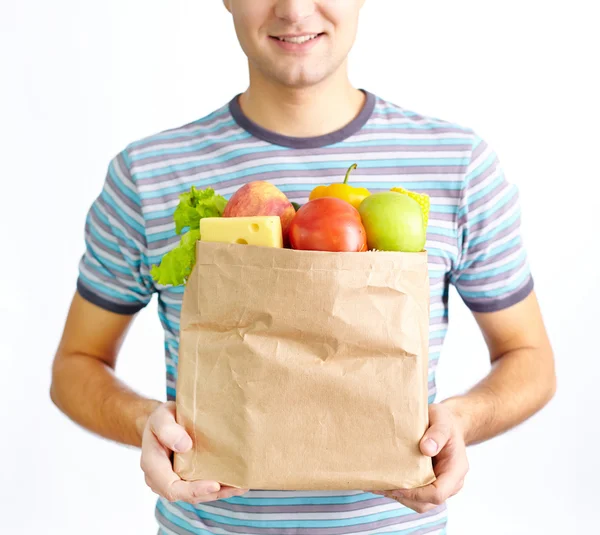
[[263, 231]]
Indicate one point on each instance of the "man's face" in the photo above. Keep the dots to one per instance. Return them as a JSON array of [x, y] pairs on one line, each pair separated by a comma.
[[296, 43]]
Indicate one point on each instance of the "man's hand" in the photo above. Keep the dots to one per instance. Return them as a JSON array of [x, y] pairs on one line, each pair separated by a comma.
[[444, 441], [162, 435]]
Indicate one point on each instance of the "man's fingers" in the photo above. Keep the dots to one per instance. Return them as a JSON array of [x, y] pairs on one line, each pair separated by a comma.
[[223, 494], [156, 464], [418, 507], [169, 433], [430, 494], [443, 441], [196, 492], [441, 428], [448, 481], [174, 437], [229, 492], [435, 438], [161, 436], [191, 491]]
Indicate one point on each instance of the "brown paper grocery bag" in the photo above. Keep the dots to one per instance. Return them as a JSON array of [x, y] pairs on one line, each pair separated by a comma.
[[304, 370]]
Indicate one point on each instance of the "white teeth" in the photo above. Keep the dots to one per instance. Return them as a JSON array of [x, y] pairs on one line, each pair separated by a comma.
[[298, 40]]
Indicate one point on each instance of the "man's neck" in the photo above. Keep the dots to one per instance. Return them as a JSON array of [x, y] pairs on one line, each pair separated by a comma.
[[305, 112]]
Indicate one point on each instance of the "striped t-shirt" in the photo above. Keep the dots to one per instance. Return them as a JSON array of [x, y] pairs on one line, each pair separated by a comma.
[[473, 243]]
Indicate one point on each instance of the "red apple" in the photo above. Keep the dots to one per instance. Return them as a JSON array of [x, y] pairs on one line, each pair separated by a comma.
[[261, 198]]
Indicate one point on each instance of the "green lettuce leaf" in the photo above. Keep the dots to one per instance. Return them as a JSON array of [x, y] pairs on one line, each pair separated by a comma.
[[196, 204], [176, 265]]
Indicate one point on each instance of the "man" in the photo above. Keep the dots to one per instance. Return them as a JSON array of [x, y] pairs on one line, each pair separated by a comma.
[[299, 124]]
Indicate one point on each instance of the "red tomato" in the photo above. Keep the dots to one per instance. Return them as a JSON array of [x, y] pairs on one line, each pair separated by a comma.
[[328, 224]]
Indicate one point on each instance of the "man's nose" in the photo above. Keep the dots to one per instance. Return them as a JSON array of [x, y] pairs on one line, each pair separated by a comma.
[[295, 10]]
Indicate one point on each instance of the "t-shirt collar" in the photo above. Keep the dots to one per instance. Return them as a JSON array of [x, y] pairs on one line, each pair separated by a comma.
[[303, 142]]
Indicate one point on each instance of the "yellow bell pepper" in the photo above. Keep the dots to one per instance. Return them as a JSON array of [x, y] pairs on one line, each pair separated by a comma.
[[343, 191]]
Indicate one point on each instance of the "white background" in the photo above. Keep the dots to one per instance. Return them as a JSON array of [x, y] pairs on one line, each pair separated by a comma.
[[80, 80]]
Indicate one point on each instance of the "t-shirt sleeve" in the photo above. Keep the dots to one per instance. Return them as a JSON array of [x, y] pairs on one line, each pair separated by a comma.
[[492, 272], [113, 272]]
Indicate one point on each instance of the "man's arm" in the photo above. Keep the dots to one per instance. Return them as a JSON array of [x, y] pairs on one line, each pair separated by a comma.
[[491, 271], [84, 384], [86, 389], [522, 380]]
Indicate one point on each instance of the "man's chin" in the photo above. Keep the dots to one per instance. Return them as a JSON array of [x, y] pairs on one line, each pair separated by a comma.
[[302, 80]]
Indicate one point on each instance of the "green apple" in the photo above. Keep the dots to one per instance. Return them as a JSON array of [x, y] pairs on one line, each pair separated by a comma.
[[393, 221]]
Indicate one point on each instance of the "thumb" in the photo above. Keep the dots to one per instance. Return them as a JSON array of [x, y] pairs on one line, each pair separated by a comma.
[[168, 432], [434, 439]]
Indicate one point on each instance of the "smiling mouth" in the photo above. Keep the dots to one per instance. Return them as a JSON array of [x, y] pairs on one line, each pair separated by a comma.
[[297, 39]]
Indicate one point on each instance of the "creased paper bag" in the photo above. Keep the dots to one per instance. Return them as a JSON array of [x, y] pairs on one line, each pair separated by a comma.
[[304, 370]]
